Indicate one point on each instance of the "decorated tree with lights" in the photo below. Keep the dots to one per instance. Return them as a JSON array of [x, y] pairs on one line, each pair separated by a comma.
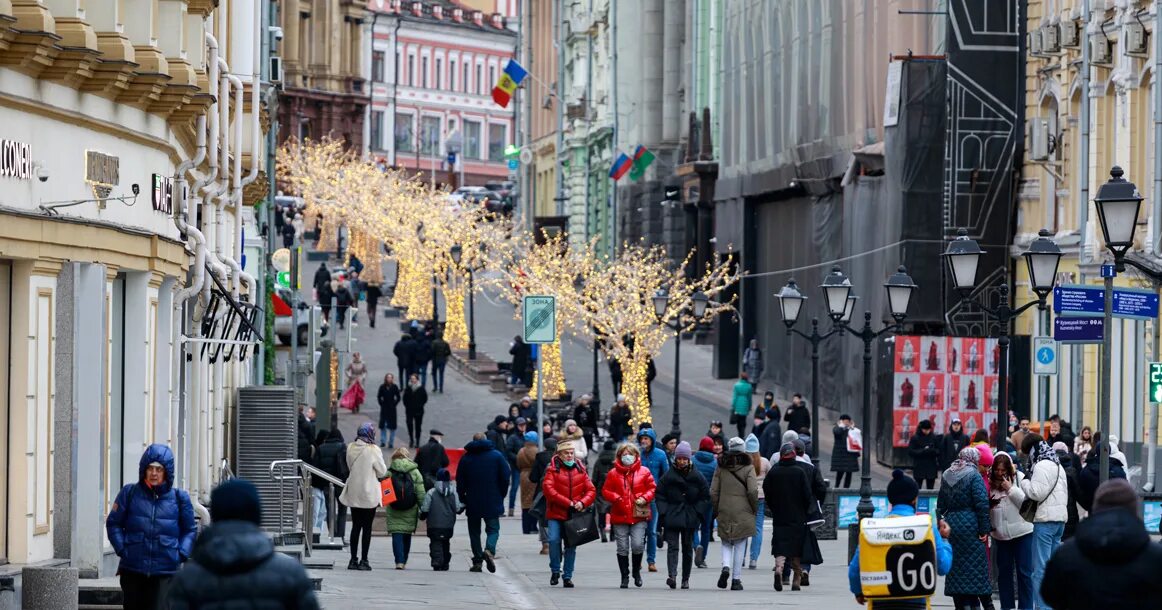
[[618, 302]]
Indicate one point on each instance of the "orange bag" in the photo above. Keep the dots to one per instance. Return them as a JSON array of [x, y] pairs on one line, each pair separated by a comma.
[[386, 492]]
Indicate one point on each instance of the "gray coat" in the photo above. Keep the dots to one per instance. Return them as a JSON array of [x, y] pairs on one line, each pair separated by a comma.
[[440, 506], [734, 494]]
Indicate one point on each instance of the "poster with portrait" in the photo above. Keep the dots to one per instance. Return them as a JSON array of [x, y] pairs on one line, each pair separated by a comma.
[[972, 393], [904, 389], [905, 426], [932, 391], [972, 356], [932, 354], [952, 358], [937, 417], [907, 354], [992, 392]]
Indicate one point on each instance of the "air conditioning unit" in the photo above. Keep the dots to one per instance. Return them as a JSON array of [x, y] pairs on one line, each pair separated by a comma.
[[1051, 38], [1136, 39], [1070, 34], [1101, 50], [1039, 139], [1035, 43]]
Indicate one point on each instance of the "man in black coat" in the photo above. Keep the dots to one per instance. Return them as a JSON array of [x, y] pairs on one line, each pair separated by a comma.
[[1090, 476], [423, 355], [520, 353], [306, 439], [234, 563], [432, 457], [1111, 562], [952, 443], [331, 458], [388, 397], [798, 416], [322, 278], [414, 399], [482, 480], [925, 452], [790, 481], [405, 356]]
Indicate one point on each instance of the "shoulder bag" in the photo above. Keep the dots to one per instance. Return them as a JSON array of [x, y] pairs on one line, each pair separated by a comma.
[[1029, 506]]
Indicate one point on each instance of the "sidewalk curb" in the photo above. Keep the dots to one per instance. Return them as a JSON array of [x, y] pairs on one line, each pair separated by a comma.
[[515, 589]]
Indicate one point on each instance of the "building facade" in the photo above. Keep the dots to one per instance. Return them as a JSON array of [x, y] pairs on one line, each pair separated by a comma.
[[538, 95], [104, 106], [432, 68]]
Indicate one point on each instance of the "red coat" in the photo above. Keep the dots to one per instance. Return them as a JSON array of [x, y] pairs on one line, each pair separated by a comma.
[[563, 486], [623, 485]]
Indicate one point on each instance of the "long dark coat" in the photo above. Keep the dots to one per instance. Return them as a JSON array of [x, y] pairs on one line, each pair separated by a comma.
[[925, 452], [965, 506], [682, 498], [787, 489], [388, 397], [843, 460]]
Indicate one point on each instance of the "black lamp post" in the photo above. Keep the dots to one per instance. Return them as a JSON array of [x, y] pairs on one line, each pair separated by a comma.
[[1042, 257], [837, 294], [457, 253], [697, 307], [1118, 203]]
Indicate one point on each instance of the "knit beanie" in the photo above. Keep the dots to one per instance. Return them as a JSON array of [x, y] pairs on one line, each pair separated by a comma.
[[752, 443], [986, 455], [735, 445], [902, 489], [1115, 493], [531, 437], [683, 451], [443, 475], [790, 436], [236, 500], [706, 444]]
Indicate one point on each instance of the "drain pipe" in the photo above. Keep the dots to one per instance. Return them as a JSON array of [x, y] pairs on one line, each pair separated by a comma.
[[1156, 229], [234, 194], [1077, 387]]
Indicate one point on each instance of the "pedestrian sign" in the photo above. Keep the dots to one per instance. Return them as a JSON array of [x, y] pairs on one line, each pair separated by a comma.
[[540, 318], [1156, 382], [1044, 356]]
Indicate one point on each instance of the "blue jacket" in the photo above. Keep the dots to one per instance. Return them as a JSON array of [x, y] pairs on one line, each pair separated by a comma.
[[656, 459], [943, 552], [741, 400], [706, 463], [152, 530], [482, 480]]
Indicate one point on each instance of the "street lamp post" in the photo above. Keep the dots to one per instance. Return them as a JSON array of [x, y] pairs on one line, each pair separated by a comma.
[[1042, 257], [790, 306], [837, 294], [697, 307], [1118, 203]]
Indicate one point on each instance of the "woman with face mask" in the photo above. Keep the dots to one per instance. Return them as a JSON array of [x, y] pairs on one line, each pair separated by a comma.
[[629, 489], [567, 488], [683, 497]]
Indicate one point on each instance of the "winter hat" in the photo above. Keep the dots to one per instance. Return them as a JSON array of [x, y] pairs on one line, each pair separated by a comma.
[[925, 425], [531, 437], [667, 438], [706, 444], [683, 451], [986, 455], [570, 422], [902, 489], [787, 451], [621, 397], [790, 436], [752, 443], [735, 445], [443, 475], [564, 446], [521, 420], [499, 419], [1060, 447], [1115, 493], [236, 500]]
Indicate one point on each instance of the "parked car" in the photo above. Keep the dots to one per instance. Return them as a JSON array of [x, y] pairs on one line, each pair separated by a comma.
[[281, 300]]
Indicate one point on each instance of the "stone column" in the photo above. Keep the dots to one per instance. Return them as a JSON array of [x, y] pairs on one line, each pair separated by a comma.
[[48, 588]]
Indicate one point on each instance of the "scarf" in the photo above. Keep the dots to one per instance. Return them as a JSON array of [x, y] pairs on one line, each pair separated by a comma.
[[965, 465], [366, 433], [1043, 452]]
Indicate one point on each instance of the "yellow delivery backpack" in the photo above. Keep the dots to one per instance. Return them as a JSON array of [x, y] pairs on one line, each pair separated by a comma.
[[897, 557]]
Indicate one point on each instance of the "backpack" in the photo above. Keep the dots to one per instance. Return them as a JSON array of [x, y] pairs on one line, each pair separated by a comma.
[[897, 558], [405, 490]]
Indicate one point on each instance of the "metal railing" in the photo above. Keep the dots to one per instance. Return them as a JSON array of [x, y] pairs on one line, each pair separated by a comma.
[[302, 472]]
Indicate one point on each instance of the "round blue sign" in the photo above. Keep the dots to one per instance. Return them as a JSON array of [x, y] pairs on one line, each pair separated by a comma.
[[1045, 355]]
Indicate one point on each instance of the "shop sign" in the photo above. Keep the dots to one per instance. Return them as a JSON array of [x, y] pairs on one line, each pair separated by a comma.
[[15, 160], [102, 173], [162, 193]]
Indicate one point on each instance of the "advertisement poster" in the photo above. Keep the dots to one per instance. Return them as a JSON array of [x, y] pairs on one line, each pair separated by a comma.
[[848, 503], [941, 378]]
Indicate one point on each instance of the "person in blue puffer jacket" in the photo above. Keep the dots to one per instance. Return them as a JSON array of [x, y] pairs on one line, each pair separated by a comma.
[[152, 530], [655, 459]]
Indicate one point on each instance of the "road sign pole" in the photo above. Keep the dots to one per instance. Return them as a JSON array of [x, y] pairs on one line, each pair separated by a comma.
[[1103, 404], [540, 400]]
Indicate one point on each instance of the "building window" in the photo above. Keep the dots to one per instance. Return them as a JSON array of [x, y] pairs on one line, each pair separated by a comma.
[[405, 134], [377, 59], [479, 79], [497, 140], [412, 70], [492, 75], [398, 66], [451, 74], [467, 80], [424, 73], [471, 139], [430, 135], [439, 73], [376, 130]]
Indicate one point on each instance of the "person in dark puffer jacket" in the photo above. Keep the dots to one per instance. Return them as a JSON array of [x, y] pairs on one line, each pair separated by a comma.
[[151, 528], [234, 563]]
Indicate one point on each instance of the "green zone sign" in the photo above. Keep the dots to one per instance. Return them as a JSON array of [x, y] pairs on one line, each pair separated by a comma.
[[282, 278], [540, 318], [1156, 382]]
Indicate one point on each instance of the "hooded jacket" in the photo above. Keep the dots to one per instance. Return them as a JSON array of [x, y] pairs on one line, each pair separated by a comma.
[[950, 446], [1090, 477], [482, 480], [1049, 486], [1110, 563], [683, 498], [734, 494], [741, 399], [924, 450], [152, 530], [625, 484], [1005, 512], [405, 521], [405, 353], [235, 566], [706, 463], [655, 459], [440, 506], [563, 485], [331, 458]]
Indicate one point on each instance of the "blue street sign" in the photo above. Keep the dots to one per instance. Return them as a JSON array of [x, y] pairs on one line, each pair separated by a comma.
[[451, 158], [1108, 271], [1078, 330], [1045, 355], [513, 164], [1077, 301]]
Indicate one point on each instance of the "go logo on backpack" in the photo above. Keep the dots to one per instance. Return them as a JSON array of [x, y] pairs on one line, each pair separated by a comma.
[[897, 557]]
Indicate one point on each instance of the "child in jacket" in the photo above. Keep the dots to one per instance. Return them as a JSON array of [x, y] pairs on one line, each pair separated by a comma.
[[439, 509]]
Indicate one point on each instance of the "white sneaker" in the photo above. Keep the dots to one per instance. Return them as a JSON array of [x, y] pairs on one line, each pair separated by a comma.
[[753, 564]]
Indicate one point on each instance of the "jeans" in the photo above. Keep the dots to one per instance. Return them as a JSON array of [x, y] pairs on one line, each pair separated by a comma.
[[438, 375], [705, 532], [387, 434], [513, 485], [1046, 537], [756, 542], [652, 535], [630, 538], [685, 537], [143, 592], [555, 529], [1015, 555], [492, 531], [422, 371], [401, 546], [319, 509], [733, 554]]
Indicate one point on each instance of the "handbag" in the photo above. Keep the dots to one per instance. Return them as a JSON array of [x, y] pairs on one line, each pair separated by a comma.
[[1029, 506], [386, 492], [580, 528], [734, 419], [538, 509], [641, 511], [854, 441]]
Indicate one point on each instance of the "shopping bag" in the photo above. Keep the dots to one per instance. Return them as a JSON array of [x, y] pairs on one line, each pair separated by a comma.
[[386, 492], [855, 440], [352, 397], [581, 528]]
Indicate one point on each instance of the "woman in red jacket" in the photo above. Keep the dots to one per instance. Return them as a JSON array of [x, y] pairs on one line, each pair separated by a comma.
[[567, 488], [629, 488]]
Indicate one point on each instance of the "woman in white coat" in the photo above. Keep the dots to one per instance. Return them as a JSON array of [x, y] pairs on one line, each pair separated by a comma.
[[1047, 485], [362, 494], [1012, 534]]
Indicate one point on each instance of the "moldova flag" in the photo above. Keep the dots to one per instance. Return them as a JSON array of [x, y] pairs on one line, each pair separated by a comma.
[[620, 166], [510, 79], [642, 158]]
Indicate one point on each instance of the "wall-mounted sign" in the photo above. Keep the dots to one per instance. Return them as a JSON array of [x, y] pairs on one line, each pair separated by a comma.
[[102, 172], [15, 160], [162, 193]]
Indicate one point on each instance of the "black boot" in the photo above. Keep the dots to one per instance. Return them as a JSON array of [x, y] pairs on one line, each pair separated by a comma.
[[637, 569], [623, 564]]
